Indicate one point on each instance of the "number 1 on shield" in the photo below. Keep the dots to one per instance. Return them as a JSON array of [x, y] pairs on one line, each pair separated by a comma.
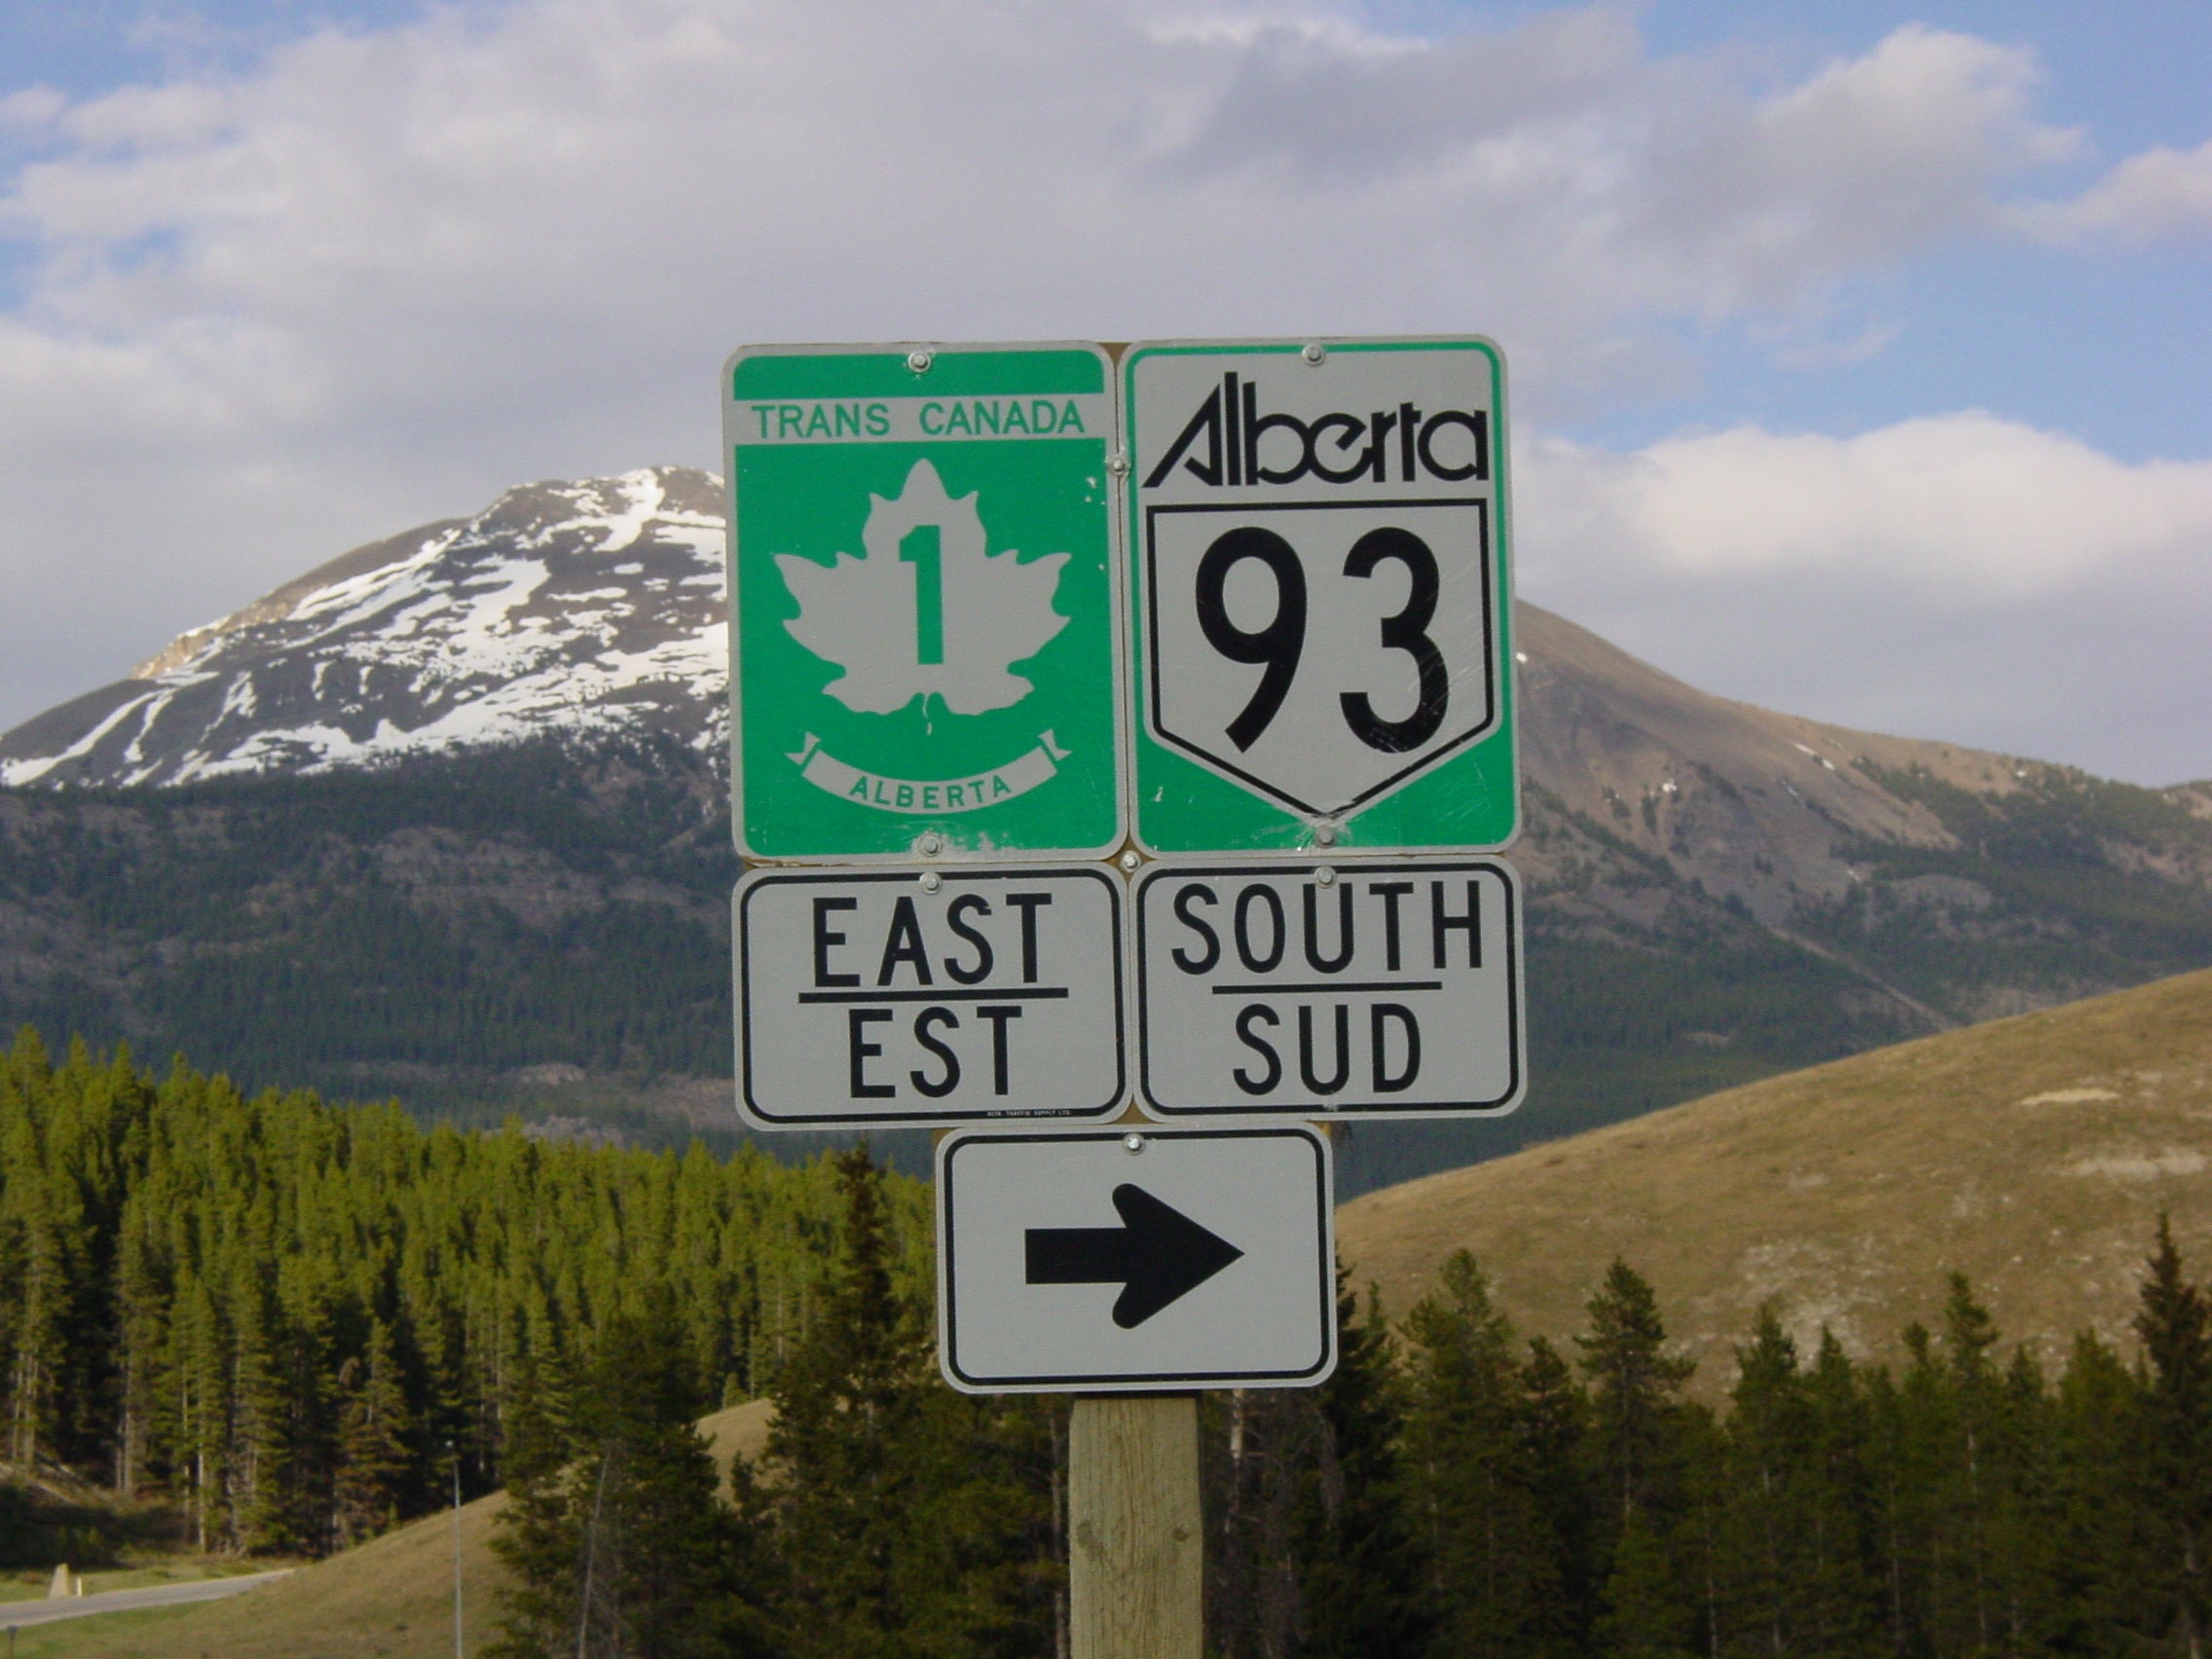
[[920, 548]]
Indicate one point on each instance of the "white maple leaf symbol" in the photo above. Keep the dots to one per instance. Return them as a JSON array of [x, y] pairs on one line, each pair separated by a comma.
[[926, 608]]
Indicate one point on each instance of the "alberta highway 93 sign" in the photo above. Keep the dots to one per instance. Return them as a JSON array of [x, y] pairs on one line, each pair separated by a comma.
[[1320, 597]]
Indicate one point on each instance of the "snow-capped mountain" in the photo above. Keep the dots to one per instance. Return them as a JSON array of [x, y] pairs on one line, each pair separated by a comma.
[[592, 606], [596, 607]]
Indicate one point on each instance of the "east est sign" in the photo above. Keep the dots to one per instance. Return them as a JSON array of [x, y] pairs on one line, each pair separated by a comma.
[[1320, 599], [923, 642], [895, 999]]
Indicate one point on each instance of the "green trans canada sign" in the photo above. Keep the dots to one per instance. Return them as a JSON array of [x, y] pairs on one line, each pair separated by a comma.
[[1319, 595], [924, 647]]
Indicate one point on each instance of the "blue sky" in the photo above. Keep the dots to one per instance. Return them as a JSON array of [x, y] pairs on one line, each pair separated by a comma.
[[88, 47], [2119, 343], [1859, 351]]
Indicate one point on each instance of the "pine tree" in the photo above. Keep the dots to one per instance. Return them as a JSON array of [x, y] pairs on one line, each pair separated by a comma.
[[1767, 1496], [908, 1520], [613, 1535], [2104, 1540], [845, 1403], [1974, 1482], [661, 1565], [142, 1313], [273, 1309], [537, 1535], [261, 1462], [1634, 1385], [1555, 1431], [2025, 1509], [1650, 1609], [1638, 1442], [2175, 1325], [1359, 1574], [1490, 1564], [1909, 1455], [1263, 1442], [197, 1398], [374, 1454], [186, 1274], [1842, 1593], [37, 1358], [1792, 1546]]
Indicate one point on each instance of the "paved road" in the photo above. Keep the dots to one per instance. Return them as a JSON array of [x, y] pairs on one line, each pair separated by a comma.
[[28, 1613]]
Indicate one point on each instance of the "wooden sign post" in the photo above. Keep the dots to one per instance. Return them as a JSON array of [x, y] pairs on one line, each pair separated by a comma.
[[1136, 1542]]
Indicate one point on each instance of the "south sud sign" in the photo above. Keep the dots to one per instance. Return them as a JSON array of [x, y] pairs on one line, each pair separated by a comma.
[[924, 650], [1320, 596], [1373, 987]]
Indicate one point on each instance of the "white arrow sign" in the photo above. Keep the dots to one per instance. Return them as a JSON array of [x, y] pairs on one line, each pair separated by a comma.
[[1135, 1259]]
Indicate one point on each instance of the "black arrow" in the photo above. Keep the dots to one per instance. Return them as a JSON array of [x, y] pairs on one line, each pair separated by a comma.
[[1156, 1256]]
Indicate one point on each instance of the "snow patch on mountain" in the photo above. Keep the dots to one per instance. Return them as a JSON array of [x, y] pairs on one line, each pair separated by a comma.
[[569, 608]]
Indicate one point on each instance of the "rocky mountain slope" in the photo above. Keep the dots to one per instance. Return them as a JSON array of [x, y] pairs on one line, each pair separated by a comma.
[[2034, 1155], [446, 817], [1850, 844], [563, 608]]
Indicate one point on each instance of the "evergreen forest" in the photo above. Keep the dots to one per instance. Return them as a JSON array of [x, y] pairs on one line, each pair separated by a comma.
[[277, 1315]]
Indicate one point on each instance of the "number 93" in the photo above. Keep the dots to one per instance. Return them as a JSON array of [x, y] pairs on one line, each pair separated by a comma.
[[1280, 645]]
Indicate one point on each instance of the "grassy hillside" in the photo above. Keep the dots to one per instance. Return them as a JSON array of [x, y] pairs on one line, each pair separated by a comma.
[[391, 1599], [2032, 1154]]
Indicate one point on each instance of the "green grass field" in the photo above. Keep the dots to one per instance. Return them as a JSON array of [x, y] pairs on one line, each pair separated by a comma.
[[391, 1598]]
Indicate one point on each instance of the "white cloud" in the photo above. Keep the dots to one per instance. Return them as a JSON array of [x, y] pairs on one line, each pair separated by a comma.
[[1761, 205], [1954, 576], [1956, 509], [2162, 195], [378, 277], [612, 187], [31, 108]]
